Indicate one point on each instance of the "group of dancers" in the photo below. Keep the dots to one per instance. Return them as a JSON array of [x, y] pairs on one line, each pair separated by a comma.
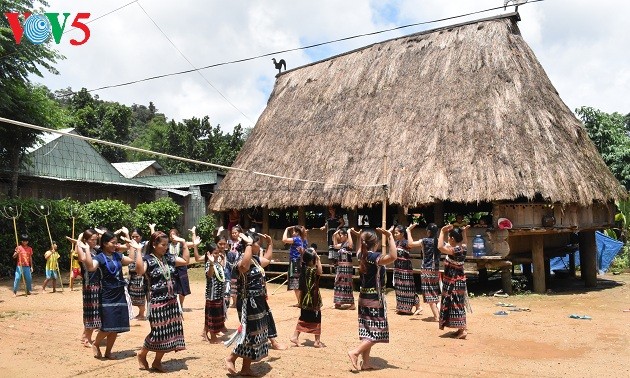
[[235, 277]]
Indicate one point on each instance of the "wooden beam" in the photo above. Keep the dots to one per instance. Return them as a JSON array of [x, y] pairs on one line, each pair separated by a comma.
[[353, 217], [588, 258], [538, 259], [506, 280]]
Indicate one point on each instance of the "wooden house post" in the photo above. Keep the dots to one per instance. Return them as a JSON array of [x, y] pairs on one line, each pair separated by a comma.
[[353, 217], [265, 220], [301, 216], [438, 213], [588, 257], [538, 259]]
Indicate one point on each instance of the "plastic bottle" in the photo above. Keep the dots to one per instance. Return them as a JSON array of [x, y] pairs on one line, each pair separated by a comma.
[[479, 246]]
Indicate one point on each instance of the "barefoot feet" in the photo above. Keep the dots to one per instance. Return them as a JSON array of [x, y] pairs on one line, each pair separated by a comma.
[[294, 341], [96, 351], [143, 364], [229, 364], [354, 360]]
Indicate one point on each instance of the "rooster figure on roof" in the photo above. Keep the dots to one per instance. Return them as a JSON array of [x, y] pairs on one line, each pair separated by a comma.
[[515, 2], [279, 65]]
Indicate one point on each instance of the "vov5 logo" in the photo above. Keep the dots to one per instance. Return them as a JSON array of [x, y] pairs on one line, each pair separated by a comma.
[[38, 27]]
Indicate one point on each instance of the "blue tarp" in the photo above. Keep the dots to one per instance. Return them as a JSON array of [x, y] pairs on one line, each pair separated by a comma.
[[607, 249]]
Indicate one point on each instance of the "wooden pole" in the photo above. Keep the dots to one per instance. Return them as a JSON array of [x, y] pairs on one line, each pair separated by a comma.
[[384, 212], [301, 216], [588, 257], [265, 220], [538, 259], [438, 213]]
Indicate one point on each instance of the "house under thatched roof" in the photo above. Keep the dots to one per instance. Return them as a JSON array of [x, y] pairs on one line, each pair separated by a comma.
[[464, 113]]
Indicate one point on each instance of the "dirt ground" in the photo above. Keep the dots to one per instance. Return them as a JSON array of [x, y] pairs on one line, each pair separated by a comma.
[[39, 336]]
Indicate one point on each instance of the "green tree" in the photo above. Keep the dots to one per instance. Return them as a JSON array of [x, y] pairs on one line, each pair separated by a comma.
[[108, 121], [610, 134], [111, 214], [19, 100]]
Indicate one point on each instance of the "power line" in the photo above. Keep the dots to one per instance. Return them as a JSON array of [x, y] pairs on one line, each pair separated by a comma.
[[298, 48], [218, 166], [191, 64]]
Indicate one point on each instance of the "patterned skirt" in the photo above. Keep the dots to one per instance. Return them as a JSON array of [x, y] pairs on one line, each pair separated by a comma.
[[114, 310], [137, 290], [254, 346], [215, 315], [453, 308], [405, 287], [343, 291], [310, 322], [182, 284], [373, 324], [430, 284], [91, 306], [294, 275], [167, 327], [271, 325]]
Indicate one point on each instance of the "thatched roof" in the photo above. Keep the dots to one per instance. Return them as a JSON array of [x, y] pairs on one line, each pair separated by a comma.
[[464, 113]]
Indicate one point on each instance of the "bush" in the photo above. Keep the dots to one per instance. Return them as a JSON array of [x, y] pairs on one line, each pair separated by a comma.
[[206, 231], [164, 212], [108, 213]]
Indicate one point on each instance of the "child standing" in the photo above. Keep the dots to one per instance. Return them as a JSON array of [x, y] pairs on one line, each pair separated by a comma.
[[215, 308], [310, 299], [52, 267], [24, 255]]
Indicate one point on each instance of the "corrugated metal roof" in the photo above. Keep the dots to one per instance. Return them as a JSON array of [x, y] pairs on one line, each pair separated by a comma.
[[180, 180], [65, 158], [132, 169]]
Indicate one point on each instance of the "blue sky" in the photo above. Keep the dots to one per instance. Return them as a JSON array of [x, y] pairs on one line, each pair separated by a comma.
[[581, 44]]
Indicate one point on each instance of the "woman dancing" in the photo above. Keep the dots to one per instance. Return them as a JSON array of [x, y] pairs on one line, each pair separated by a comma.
[[453, 306], [298, 245], [430, 271], [406, 297], [373, 326], [343, 289], [310, 300]]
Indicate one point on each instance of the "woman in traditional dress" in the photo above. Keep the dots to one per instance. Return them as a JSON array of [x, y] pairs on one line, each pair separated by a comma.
[[137, 287], [453, 306], [165, 315], [91, 285], [332, 225], [252, 334], [373, 326], [214, 261], [343, 289], [430, 271], [182, 283], [298, 246], [113, 307], [406, 297], [310, 320]]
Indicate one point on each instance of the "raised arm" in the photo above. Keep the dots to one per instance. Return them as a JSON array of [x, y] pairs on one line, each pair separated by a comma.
[[246, 260], [285, 236], [90, 264], [318, 263], [410, 240], [134, 246], [185, 259], [444, 248], [391, 255], [266, 258]]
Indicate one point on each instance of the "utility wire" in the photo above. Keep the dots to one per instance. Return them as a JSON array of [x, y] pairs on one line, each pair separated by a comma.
[[299, 48], [125, 147], [191, 64]]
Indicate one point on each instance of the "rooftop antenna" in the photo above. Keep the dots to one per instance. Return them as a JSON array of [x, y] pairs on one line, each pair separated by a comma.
[[515, 2]]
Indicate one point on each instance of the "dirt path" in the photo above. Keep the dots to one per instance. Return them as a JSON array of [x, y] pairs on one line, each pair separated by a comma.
[[39, 336]]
